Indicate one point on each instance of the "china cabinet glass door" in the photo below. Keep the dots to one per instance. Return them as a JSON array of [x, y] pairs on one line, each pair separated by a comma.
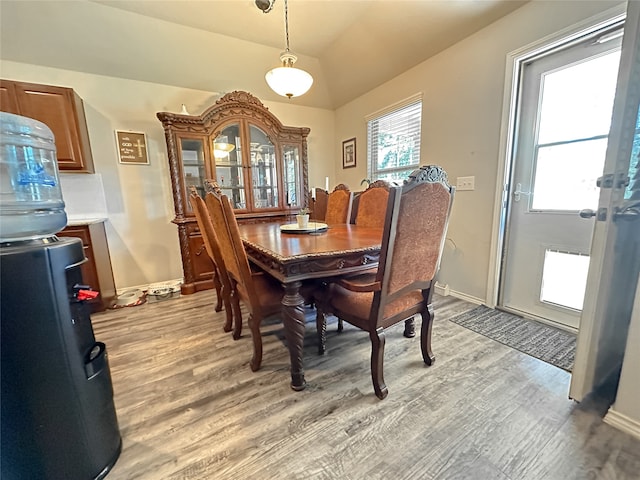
[[292, 180], [227, 152], [264, 171], [192, 152]]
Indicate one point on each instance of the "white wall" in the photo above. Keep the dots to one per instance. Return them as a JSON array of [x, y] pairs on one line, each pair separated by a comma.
[[143, 242], [463, 89]]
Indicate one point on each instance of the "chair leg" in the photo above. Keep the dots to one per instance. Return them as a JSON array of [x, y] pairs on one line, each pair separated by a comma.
[[377, 361], [237, 313], [218, 286], [228, 324], [425, 335], [321, 328], [410, 327], [254, 327], [340, 325]]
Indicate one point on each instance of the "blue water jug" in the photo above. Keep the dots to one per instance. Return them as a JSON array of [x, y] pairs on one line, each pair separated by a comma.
[[31, 204]]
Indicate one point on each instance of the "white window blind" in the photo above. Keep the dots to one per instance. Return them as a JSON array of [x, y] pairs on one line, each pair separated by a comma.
[[393, 141]]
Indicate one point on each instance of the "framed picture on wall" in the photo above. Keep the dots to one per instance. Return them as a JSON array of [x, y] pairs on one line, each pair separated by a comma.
[[132, 147], [349, 153]]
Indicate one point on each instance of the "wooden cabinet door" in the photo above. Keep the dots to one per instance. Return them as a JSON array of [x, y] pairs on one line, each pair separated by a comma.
[[54, 106], [8, 100]]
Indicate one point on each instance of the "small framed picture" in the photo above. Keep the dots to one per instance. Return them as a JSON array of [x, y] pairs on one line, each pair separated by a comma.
[[349, 153], [132, 147]]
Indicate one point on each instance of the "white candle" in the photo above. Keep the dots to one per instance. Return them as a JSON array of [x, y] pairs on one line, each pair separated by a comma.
[[313, 193], [326, 183]]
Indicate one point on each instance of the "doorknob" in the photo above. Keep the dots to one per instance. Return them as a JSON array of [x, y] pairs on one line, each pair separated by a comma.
[[600, 214]]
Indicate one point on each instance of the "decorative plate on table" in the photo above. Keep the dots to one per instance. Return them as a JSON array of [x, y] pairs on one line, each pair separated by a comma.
[[310, 228]]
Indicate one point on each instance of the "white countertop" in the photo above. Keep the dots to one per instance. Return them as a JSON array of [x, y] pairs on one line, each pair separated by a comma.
[[75, 222]]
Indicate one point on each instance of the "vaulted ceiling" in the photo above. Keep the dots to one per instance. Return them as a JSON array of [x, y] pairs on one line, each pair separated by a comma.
[[349, 46]]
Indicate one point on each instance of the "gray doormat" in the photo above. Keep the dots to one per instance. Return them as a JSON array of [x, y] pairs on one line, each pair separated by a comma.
[[541, 341]]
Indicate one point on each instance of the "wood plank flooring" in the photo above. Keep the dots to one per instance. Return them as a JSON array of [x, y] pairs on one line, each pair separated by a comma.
[[189, 406]]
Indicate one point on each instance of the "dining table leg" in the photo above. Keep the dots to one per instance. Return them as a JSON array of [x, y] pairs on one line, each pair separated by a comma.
[[293, 318]]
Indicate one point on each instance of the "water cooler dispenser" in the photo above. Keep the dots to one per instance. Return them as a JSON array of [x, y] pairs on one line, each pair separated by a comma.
[[57, 416]]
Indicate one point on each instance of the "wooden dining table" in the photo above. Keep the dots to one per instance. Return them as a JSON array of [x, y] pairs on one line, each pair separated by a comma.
[[295, 257]]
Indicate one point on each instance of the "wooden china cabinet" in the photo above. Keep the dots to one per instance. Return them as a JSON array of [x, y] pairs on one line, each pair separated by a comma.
[[260, 164]]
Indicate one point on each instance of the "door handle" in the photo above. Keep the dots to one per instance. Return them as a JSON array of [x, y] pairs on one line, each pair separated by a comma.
[[518, 191], [630, 212]]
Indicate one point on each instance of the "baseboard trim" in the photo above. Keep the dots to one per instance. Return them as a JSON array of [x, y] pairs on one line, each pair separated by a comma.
[[622, 422], [468, 298], [144, 287]]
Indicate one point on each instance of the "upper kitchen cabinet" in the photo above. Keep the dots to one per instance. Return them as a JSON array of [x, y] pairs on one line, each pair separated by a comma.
[[258, 163], [61, 109]]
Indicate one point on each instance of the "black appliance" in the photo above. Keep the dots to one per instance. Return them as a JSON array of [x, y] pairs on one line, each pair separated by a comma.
[[58, 420]]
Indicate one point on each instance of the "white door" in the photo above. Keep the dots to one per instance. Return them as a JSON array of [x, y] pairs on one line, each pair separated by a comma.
[[566, 100], [615, 252]]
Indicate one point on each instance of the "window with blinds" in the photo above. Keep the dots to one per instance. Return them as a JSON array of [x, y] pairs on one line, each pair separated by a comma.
[[393, 140]]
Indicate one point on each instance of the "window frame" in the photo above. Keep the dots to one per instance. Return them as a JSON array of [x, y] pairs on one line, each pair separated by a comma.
[[409, 104]]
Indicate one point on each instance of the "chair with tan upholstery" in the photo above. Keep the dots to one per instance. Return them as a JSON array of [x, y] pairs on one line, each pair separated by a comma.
[[260, 293], [372, 205], [339, 205], [220, 276], [414, 232]]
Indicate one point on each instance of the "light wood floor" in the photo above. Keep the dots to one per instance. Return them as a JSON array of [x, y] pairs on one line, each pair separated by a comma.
[[190, 408]]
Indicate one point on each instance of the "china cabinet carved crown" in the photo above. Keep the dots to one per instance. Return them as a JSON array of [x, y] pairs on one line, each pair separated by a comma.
[[260, 164]]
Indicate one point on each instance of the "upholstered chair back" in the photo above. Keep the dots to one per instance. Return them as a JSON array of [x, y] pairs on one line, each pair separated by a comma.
[[417, 236], [372, 205], [339, 205]]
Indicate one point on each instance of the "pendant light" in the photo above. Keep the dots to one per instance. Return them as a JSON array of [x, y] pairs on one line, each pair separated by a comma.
[[287, 80], [222, 147]]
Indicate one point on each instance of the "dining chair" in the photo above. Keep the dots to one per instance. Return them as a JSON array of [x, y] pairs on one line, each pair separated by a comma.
[[414, 233], [339, 205], [220, 275], [259, 292], [372, 205], [319, 199]]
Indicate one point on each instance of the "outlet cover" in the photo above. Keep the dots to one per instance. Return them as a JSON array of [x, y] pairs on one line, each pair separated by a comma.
[[465, 183]]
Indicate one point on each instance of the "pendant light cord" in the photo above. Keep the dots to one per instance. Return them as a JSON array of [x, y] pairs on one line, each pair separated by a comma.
[[286, 23]]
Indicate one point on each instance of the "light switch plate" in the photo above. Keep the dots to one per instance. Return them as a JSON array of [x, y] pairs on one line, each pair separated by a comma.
[[466, 183]]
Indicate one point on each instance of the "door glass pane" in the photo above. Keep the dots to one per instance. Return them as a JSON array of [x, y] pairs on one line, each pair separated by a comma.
[[292, 184], [263, 170], [633, 189], [577, 101], [566, 174], [564, 278], [227, 151], [575, 117], [192, 152]]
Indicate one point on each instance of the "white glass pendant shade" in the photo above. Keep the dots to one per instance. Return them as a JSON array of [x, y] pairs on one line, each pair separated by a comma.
[[221, 147], [287, 80]]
